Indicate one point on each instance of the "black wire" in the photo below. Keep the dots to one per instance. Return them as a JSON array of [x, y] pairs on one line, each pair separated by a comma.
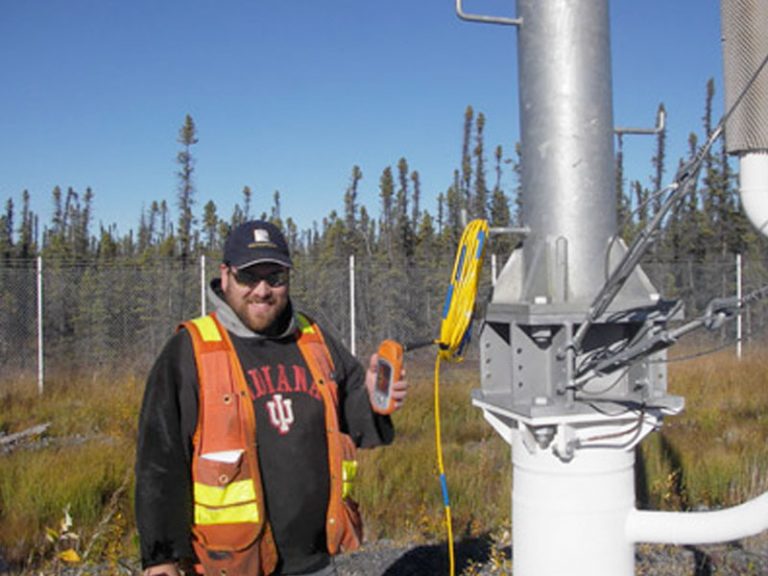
[[686, 176], [746, 301], [610, 387], [697, 354], [593, 403]]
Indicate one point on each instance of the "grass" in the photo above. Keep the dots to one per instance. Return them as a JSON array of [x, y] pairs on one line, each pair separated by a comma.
[[85, 458], [713, 454], [399, 488]]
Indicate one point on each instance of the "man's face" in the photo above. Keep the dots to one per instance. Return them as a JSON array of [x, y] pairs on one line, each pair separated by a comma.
[[258, 294]]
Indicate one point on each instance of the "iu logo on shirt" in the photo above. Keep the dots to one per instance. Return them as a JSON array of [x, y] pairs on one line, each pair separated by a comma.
[[280, 413]]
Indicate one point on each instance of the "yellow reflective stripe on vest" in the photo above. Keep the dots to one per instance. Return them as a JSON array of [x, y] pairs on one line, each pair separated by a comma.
[[208, 329], [243, 513], [231, 504], [217, 496], [348, 474], [304, 324]]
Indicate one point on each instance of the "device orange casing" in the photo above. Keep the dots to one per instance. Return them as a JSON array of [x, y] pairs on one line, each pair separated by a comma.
[[388, 370]]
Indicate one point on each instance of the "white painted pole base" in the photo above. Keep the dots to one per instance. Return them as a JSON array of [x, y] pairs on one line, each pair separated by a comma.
[[569, 518]]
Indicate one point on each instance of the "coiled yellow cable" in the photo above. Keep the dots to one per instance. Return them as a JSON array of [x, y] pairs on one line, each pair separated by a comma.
[[460, 299], [455, 332]]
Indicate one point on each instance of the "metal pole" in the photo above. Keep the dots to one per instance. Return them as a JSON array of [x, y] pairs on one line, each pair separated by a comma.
[[739, 296], [202, 284], [352, 334], [40, 360], [493, 269], [566, 124]]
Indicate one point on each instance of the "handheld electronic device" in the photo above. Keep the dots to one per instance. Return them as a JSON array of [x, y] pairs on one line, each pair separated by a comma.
[[388, 371]]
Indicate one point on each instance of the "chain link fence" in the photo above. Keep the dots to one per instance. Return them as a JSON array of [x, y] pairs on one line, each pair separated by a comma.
[[58, 319]]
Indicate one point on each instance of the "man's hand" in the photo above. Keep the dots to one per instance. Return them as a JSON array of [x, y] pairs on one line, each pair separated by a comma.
[[162, 570], [399, 387]]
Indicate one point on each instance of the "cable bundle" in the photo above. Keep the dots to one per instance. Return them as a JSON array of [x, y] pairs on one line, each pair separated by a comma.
[[455, 332]]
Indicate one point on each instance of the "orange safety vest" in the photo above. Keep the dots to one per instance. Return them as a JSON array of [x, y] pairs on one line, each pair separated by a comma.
[[230, 532]]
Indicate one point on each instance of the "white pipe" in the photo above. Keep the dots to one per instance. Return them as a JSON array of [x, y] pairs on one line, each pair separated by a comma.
[[726, 525], [753, 179], [202, 285]]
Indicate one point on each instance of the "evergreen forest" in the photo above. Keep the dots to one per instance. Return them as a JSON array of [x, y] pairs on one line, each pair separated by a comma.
[[398, 243]]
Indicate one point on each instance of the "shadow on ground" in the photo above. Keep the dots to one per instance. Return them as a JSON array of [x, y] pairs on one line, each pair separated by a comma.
[[417, 560]]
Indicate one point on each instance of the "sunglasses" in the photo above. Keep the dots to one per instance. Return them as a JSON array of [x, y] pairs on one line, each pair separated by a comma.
[[252, 278]]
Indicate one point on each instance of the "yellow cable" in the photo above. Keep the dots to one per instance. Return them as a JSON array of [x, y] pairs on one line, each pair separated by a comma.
[[441, 469], [462, 291], [454, 335]]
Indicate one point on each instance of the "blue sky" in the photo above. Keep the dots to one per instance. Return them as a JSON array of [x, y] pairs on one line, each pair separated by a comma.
[[289, 95]]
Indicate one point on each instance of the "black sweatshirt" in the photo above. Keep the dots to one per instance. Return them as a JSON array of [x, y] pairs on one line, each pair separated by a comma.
[[292, 449]]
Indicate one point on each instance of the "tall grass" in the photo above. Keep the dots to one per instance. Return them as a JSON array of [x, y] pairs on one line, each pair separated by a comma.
[[85, 458], [399, 488], [713, 454]]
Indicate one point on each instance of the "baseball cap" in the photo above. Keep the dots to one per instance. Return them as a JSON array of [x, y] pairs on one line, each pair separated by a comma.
[[254, 242]]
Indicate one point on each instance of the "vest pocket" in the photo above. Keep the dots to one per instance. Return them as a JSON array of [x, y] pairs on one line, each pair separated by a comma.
[[226, 508], [219, 468]]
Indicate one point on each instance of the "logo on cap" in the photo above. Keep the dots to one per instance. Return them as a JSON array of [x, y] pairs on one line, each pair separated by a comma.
[[260, 235]]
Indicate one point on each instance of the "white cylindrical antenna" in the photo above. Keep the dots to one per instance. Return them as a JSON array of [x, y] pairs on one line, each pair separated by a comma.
[[745, 48], [753, 184]]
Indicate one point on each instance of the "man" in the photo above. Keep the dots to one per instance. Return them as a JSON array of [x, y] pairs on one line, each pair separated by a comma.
[[247, 428]]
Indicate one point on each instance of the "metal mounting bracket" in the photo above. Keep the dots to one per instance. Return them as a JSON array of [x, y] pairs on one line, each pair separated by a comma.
[[661, 118], [486, 19]]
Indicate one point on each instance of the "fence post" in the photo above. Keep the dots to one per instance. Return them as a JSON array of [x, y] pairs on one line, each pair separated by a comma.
[[739, 296], [202, 284], [352, 335], [40, 356]]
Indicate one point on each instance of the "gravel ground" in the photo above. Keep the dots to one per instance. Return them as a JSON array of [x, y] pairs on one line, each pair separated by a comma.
[[485, 558], [480, 558]]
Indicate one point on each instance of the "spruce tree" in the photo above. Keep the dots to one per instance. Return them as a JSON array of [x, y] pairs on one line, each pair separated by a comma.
[[6, 231], [352, 234], [247, 194], [415, 200], [500, 214], [404, 232], [464, 186], [275, 213], [480, 208], [386, 192], [210, 226], [623, 211], [186, 186], [659, 167], [27, 235], [241, 214], [350, 199]]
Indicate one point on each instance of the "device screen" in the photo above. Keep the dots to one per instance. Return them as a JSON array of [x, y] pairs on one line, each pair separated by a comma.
[[384, 375]]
